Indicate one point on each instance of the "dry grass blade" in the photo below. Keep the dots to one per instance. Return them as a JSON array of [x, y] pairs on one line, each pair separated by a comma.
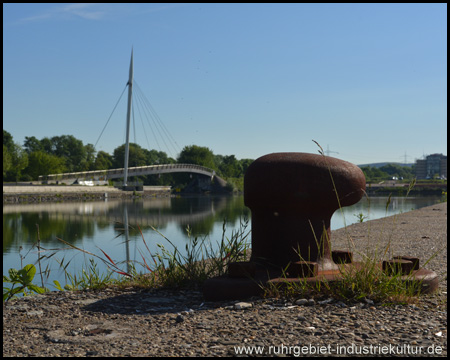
[[411, 185], [114, 264], [145, 243], [112, 261], [108, 264], [145, 262]]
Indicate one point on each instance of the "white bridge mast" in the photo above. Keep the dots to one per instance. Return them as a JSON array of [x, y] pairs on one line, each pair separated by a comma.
[[127, 144]]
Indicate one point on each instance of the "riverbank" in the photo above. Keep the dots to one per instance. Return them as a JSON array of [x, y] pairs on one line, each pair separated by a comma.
[[400, 189], [180, 323], [47, 193]]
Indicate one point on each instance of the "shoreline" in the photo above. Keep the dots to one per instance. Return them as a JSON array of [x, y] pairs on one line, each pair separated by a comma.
[[13, 194]]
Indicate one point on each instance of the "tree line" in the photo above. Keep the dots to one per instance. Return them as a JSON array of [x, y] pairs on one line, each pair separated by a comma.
[[65, 153], [387, 172]]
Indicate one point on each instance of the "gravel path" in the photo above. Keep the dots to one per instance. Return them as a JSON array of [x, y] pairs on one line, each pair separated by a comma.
[[180, 323]]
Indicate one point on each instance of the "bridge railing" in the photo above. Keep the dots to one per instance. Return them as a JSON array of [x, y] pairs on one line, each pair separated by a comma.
[[132, 171]]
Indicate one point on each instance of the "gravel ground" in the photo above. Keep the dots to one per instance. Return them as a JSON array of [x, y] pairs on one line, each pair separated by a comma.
[[181, 323], [420, 233]]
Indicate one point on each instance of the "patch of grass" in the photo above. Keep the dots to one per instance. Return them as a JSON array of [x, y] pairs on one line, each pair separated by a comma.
[[367, 281], [87, 279], [168, 267]]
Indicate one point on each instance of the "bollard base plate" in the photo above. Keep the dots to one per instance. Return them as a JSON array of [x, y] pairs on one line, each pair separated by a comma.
[[233, 288]]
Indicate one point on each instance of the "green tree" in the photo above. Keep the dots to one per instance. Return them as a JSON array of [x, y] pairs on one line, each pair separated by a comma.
[[245, 163], [374, 174], [388, 171], [32, 144], [47, 145], [89, 159], [7, 163], [8, 140], [137, 156], [71, 150], [230, 167], [398, 171], [218, 160], [155, 157], [41, 163], [197, 155], [19, 161], [103, 161]]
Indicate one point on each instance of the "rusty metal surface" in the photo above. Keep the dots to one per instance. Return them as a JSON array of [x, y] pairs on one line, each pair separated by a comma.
[[292, 197], [302, 181]]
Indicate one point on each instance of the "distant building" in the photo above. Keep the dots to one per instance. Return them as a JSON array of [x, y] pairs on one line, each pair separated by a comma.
[[435, 164]]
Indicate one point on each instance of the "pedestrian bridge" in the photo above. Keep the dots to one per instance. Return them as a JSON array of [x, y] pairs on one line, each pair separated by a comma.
[[101, 177]]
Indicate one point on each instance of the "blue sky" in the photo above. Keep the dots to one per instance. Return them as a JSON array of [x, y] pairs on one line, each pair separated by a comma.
[[369, 81]]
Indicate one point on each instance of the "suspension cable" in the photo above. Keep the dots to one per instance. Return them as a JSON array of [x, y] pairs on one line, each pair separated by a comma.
[[138, 106], [158, 122], [140, 95], [117, 103]]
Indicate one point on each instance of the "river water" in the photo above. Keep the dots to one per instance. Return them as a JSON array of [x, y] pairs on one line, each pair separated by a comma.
[[101, 225]]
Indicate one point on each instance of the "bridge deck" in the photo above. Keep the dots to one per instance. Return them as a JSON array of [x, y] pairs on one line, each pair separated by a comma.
[[104, 175]]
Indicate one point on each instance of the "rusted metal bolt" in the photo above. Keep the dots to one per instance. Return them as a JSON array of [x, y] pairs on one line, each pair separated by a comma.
[[342, 256], [241, 269], [302, 269], [397, 267], [292, 197], [414, 260]]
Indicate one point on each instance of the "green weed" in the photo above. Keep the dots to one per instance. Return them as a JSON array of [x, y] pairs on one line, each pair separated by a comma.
[[87, 279], [23, 279], [361, 217]]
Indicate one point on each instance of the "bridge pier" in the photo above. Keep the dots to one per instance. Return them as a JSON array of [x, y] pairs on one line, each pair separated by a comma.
[[203, 184]]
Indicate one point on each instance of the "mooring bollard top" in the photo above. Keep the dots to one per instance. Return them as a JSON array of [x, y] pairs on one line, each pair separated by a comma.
[[293, 180]]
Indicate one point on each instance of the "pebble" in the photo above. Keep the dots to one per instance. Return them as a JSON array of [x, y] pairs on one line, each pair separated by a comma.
[[327, 301], [242, 305], [301, 302], [308, 302], [35, 313]]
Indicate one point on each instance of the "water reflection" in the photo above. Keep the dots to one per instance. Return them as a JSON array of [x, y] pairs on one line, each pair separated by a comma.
[[371, 208], [77, 222]]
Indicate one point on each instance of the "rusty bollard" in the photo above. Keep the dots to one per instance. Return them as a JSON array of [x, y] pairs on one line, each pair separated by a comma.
[[292, 197]]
